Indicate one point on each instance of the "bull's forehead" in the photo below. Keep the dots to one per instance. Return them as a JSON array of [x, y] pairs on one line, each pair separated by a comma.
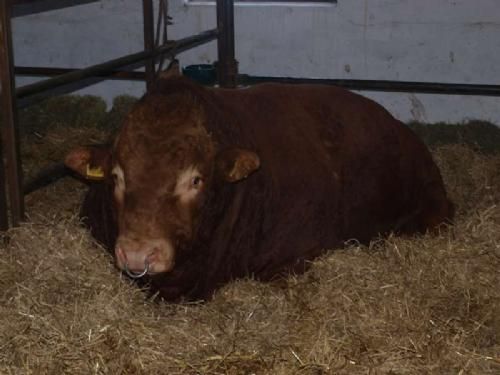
[[176, 149], [149, 161], [157, 129], [162, 136], [155, 115]]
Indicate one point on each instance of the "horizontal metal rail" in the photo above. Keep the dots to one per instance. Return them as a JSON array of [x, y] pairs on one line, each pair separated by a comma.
[[388, 86], [34, 71], [368, 85], [100, 70]]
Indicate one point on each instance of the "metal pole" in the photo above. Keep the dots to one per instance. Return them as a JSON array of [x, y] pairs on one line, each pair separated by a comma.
[[36, 71], [353, 84], [109, 66], [9, 128], [227, 66], [149, 40], [386, 86], [4, 215]]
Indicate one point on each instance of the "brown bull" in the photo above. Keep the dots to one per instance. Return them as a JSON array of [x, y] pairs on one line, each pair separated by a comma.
[[204, 185]]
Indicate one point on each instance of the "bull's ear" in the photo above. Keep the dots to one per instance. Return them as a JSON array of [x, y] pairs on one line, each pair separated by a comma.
[[236, 164], [173, 70], [90, 162]]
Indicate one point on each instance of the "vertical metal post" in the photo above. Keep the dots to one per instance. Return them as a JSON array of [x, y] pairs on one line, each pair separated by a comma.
[[9, 127], [4, 215], [4, 218], [227, 66], [149, 40]]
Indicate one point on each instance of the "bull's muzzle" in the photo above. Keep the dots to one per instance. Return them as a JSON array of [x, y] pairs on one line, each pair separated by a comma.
[[140, 258], [137, 275]]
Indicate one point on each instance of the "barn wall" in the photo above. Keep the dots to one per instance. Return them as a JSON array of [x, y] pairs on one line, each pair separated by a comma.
[[427, 40]]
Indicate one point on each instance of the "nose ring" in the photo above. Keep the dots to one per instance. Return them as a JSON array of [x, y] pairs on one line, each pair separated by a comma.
[[137, 275]]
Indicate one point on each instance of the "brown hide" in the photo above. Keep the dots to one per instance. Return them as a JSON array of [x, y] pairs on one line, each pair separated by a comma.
[[334, 166]]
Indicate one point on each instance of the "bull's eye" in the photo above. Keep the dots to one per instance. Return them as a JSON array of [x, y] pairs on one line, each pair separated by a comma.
[[196, 182], [189, 184], [118, 181]]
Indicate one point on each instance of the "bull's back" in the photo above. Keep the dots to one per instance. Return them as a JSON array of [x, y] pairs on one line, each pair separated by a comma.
[[339, 161]]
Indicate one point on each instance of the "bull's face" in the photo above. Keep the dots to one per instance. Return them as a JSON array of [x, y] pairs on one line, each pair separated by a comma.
[[160, 173], [160, 179]]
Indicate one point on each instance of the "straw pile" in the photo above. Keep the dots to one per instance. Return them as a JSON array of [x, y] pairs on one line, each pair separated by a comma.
[[423, 305]]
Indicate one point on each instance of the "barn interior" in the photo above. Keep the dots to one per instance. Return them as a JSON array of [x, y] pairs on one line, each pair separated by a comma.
[[401, 305]]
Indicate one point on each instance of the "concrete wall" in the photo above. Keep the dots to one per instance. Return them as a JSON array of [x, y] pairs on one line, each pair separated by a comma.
[[454, 41]]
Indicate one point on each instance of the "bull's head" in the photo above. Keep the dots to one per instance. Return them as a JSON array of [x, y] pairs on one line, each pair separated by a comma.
[[160, 167]]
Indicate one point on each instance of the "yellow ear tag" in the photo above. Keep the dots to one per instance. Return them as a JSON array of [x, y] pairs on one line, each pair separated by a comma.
[[96, 173]]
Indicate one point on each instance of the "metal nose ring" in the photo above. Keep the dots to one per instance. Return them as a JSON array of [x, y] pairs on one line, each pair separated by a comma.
[[137, 275]]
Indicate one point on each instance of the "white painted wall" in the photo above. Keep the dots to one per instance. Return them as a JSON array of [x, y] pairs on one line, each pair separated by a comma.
[[454, 41]]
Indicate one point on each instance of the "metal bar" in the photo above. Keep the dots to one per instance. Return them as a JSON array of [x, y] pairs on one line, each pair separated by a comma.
[[149, 41], [46, 176], [109, 66], [368, 85], [4, 214], [163, 21], [47, 72], [387, 86], [227, 66], [9, 127]]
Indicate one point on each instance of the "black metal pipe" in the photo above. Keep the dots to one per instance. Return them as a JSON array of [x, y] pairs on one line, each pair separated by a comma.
[[105, 68], [34, 71], [227, 66], [4, 211], [149, 41], [9, 127], [382, 85], [45, 177], [4, 214]]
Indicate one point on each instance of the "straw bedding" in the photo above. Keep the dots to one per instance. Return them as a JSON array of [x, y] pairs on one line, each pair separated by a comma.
[[428, 304]]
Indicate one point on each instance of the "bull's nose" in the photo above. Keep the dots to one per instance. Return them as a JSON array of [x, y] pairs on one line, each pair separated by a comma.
[[157, 255], [121, 257], [135, 262]]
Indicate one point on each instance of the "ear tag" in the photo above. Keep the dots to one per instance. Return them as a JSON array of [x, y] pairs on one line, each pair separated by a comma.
[[96, 173]]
